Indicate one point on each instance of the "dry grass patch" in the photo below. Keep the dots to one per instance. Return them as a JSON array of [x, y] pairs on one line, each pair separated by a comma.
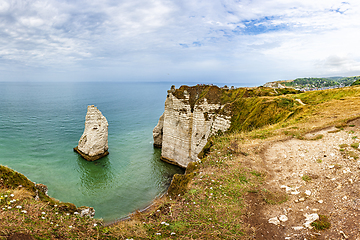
[[273, 197], [21, 213]]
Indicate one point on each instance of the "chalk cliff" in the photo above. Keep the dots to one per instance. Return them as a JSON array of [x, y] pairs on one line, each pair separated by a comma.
[[191, 116], [158, 132], [93, 144]]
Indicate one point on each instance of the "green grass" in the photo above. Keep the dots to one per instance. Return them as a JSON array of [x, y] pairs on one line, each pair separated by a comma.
[[253, 113], [256, 173], [318, 97], [355, 145], [13, 179], [322, 223], [317, 137], [306, 178], [352, 154]]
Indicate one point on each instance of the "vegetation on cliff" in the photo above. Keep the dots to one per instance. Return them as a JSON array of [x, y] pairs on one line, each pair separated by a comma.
[[27, 212], [245, 105], [216, 95], [321, 82], [357, 82], [208, 201]]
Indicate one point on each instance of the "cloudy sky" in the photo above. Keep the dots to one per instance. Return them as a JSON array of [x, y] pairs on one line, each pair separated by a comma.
[[241, 41]]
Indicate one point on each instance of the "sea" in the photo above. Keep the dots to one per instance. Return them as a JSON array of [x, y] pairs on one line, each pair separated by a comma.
[[41, 123]]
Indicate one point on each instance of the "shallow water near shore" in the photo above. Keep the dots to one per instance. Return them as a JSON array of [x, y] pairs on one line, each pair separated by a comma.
[[41, 123]]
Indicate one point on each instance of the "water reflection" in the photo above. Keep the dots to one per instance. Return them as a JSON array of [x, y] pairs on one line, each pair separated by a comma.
[[164, 171], [95, 175]]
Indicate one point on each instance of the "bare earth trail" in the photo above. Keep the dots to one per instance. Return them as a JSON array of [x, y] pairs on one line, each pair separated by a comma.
[[314, 177]]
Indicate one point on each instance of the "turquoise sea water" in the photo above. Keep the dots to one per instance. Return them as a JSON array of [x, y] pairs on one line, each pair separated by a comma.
[[41, 123]]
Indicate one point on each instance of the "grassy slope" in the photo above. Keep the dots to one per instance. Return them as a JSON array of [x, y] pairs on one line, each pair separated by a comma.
[[211, 202]]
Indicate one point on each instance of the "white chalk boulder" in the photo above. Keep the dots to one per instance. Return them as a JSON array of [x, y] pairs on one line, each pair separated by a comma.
[[93, 144]]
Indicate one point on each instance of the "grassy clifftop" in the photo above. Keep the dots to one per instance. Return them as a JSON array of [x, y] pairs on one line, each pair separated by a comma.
[[250, 108], [216, 95], [208, 202]]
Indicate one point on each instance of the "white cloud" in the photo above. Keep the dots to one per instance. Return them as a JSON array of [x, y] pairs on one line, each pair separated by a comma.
[[242, 38]]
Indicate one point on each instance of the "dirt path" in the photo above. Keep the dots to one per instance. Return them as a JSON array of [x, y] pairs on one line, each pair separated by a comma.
[[318, 177]]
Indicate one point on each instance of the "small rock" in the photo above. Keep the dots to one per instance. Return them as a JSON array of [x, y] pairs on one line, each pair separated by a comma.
[[344, 235], [350, 180], [87, 212], [320, 201], [295, 192], [274, 220], [297, 228], [331, 166], [283, 218], [344, 198], [287, 189], [301, 199], [308, 192], [309, 218]]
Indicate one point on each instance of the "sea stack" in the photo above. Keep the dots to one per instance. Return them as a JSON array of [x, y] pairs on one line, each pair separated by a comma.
[[93, 144]]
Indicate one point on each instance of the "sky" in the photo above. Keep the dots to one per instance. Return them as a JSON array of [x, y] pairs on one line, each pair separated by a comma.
[[248, 42]]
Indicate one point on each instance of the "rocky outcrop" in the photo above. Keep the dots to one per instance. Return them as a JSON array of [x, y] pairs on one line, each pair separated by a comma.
[[193, 114], [274, 85], [42, 189], [86, 211], [188, 121], [93, 144], [158, 132]]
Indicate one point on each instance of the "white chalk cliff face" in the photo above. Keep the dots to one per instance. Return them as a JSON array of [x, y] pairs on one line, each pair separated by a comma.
[[158, 132], [183, 130], [93, 144]]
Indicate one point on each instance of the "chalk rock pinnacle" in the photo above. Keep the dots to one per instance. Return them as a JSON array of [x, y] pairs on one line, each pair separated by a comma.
[[93, 144], [158, 132]]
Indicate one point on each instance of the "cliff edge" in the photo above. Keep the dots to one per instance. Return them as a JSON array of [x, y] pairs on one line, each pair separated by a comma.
[[193, 114]]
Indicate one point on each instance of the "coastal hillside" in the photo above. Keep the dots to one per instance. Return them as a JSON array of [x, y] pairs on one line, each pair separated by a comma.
[[193, 114], [286, 168], [310, 84]]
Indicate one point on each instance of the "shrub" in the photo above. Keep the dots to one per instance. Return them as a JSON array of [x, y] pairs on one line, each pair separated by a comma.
[[321, 224]]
